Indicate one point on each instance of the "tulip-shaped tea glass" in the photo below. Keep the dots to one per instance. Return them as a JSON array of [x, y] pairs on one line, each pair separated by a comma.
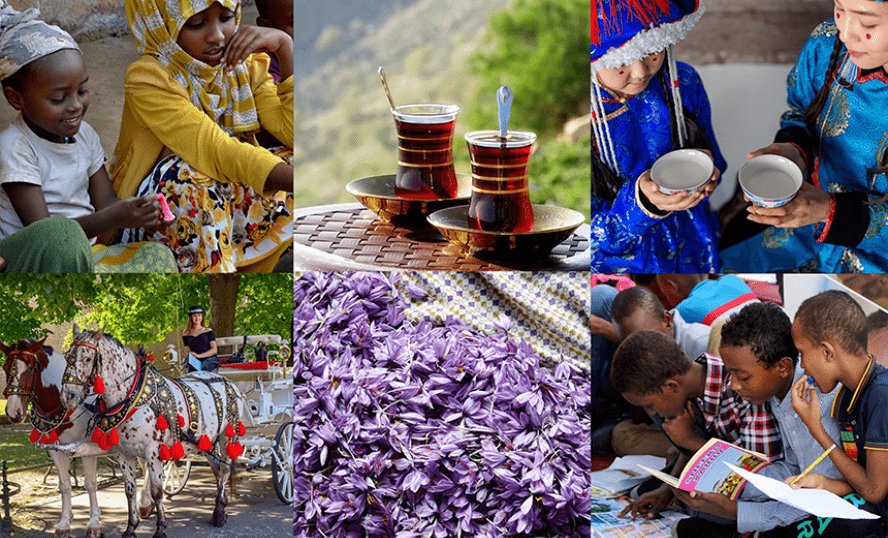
[[425, 151], [500, 198]]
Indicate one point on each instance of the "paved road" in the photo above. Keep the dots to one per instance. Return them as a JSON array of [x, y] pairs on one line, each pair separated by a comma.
[[254, 512]]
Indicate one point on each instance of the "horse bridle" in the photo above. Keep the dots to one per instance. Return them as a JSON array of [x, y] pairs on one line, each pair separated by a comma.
[[34, 369], [70, 379]]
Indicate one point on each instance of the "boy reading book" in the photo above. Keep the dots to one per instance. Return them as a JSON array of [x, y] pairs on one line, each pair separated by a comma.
[[829, 331], [691, 401], [762, 360]]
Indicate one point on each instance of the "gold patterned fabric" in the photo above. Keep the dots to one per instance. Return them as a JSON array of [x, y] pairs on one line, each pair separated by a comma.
[[548, 310], [225, 97]]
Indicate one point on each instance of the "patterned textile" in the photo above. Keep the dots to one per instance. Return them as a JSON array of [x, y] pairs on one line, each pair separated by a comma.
[[225, 97], [144, 257], [219, 226], [731, 418], [854, 135], [625, 237], [548, 310], [23, 39]]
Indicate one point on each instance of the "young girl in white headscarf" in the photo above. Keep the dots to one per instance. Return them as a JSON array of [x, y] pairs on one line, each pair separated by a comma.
[[51, 161], [194, 102]]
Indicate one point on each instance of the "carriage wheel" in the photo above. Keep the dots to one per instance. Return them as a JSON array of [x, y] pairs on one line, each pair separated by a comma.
[[282, 463], [175, 476]]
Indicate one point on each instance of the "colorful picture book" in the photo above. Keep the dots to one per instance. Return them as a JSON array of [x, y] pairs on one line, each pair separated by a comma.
[[606, 524], [706, 472], [624, 473]]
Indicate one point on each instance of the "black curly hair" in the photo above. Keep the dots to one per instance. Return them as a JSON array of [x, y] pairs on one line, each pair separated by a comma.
[[645, 360], [766, 329], [834, 316]]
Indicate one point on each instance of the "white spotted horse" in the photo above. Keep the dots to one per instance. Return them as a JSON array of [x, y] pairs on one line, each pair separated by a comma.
[[143, 414], [33, 386]]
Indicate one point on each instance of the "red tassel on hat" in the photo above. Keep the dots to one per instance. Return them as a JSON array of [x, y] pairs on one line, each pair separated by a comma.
[[176, 451], [180, 420], [35, 434], [229, 431], [53, 437], [162, 423], [204, 444], [114, 438], [164, 452], [241, 430], [98, 385]]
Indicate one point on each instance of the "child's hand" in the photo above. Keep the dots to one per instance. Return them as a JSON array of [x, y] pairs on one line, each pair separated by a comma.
[[810, 480], [711, 503], [674, 202], [806, 403], [250, 39], [810, 205], [142, 212], [680, 428], [650, 504]]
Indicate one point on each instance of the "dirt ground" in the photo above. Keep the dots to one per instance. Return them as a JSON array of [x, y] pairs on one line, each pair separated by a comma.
[[254, 510]]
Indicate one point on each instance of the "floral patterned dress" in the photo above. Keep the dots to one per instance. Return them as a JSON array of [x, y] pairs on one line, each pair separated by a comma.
[[853, 136], [219, 226]]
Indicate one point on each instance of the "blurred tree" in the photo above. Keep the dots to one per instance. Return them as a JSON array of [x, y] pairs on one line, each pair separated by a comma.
[[540, 49]]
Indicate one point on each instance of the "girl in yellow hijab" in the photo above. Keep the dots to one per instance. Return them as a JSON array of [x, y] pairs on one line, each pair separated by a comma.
[[194, 102]]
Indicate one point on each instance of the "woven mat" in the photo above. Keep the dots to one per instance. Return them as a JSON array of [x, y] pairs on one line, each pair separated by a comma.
[[357, 235]]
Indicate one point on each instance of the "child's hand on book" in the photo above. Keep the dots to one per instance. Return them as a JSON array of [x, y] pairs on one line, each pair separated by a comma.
[[711, 503], [650, 504]]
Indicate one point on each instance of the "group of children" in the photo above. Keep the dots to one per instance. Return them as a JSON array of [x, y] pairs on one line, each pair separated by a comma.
[[195, 100], [645, 104], [773, 387]]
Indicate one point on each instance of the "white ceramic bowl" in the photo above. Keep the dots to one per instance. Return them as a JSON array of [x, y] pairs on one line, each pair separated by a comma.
[[682, 170], [770, 180]]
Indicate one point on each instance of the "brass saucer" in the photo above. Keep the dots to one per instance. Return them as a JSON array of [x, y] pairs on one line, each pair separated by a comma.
[[377, 193], [551, 226]]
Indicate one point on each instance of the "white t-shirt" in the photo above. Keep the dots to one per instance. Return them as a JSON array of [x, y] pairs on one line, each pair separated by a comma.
[[61, 170], [693, 338]]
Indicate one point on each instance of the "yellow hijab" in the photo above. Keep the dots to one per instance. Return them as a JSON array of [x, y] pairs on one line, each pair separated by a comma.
[[225, 97]]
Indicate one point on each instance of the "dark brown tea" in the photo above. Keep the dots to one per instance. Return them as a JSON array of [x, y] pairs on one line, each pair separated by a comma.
[[425, 151], [500, 195]]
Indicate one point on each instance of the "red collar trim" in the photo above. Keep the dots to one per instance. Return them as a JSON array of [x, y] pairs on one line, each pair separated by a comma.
[[875, 74]]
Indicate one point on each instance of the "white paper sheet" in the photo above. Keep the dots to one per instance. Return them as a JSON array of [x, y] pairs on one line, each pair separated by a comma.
[[820, 502]]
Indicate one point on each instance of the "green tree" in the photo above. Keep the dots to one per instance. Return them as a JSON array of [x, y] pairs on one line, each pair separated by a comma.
[[137, 308], [539, 48]]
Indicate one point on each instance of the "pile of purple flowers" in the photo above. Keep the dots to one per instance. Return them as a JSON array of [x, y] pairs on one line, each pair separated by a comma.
[[409, 431]]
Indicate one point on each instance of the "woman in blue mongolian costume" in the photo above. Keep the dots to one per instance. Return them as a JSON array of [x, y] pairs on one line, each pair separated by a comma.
[[645, 105], [836, 129]]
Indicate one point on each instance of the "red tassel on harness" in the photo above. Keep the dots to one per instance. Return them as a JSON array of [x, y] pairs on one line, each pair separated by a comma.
[[164, 452], [229, 431], [176, 451], [180, 421], [98, 437], [35, 434], [241, 430], [98, 385], [114, 438], [162, 423], [53, 437], [204, 445]]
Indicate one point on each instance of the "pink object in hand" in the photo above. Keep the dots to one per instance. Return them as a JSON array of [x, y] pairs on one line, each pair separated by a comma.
[[165, 209]]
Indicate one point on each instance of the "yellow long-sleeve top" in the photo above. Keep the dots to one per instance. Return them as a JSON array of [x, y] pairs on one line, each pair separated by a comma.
[[159, 119]]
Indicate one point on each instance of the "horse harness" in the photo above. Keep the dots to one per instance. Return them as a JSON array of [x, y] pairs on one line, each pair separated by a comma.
[[150, 389], [45, 423]]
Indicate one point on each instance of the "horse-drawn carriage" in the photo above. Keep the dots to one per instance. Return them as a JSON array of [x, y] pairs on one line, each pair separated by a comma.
[[268, 418], [113, 397]]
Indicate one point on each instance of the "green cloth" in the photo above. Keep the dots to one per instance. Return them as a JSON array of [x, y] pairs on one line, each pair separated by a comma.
[[53, 245]]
